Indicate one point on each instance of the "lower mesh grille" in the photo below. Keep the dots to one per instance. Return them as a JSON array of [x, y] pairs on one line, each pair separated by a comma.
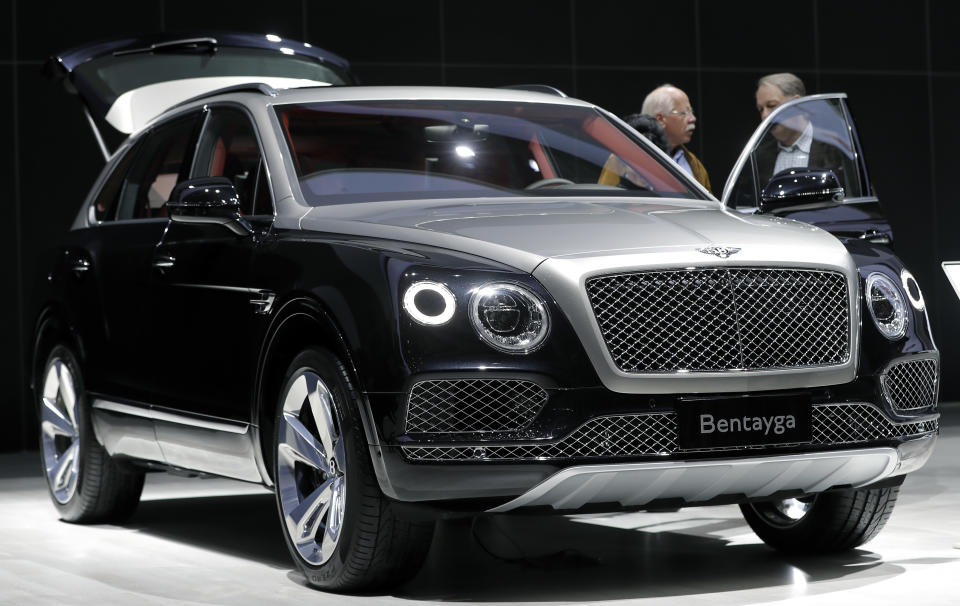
[[473, 405], [911, 385], [655, 434]]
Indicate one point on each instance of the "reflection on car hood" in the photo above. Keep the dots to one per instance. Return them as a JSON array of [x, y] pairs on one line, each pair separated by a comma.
[[523, 232]]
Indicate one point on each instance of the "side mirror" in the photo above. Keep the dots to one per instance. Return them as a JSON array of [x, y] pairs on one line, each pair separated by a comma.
[[800, 188], [209, 200]]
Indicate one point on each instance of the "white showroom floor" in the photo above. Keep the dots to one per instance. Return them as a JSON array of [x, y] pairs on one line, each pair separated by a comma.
[[218, 542]]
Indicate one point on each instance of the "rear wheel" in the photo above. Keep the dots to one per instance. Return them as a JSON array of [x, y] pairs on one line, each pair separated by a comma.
[[85, 484], [342, 532], [824, 523]]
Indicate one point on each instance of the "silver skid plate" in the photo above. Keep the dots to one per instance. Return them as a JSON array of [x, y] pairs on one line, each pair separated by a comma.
[[634, 484]]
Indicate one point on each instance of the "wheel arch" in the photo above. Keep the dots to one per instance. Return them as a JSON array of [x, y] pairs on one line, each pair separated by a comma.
[[51, 327], [299, 323]]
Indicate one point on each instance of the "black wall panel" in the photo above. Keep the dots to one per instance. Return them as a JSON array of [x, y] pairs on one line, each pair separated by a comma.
[[898, 61], [654, 35], [281, 17], [11, 408], [386, 33], [770, 36]]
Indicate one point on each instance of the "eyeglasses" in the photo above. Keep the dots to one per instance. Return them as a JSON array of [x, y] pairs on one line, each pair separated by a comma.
[[682, 114]]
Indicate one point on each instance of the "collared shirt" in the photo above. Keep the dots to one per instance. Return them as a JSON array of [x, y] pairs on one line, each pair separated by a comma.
[[681, 159], [796, 155]]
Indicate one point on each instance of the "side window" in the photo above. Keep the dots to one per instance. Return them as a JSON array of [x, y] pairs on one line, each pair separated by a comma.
[[811, 134], [159, 163], [105, 206], [228, 148]]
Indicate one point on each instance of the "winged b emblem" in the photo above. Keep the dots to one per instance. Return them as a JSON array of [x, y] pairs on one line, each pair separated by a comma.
[[721, 251]]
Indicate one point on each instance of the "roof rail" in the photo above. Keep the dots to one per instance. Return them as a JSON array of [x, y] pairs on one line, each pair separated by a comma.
[[249, 87], [537, 88]]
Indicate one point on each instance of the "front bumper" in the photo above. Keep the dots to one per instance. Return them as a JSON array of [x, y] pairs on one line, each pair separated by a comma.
[[490, 442]]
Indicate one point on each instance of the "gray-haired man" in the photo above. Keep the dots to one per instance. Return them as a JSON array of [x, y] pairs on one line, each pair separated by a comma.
[[671, 107]]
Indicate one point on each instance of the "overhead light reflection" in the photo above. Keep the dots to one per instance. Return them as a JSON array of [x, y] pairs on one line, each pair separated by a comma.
[[286, 51], [465, 152], [273, 38]]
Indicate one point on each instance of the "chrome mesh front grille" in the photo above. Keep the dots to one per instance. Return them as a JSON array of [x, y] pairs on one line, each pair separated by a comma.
[[911, 385], [473, 405], [850, 423], [655, 434], [722, 319]]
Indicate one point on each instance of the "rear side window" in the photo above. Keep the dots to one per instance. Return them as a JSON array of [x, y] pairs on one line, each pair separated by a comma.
[[158, 163], [229, 148], [105, 206]]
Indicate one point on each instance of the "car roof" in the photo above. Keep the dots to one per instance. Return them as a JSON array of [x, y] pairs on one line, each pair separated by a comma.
[[265, 95]]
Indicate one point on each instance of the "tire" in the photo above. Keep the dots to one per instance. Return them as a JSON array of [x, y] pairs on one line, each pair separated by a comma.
[[85, 484], [825, 523], [342, 532]]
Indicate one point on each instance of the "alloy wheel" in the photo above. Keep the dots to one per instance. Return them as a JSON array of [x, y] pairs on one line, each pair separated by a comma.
[[311, 468], [59, 430]]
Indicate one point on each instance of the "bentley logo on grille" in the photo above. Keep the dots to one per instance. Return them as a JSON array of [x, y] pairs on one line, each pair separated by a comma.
[[721, 251]]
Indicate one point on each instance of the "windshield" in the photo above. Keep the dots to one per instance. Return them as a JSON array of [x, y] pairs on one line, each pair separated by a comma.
[[368, 151]]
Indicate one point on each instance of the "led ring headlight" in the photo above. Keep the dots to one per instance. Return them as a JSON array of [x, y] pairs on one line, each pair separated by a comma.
[[509, 317], [886, 305], [434, 305], [912, 288]]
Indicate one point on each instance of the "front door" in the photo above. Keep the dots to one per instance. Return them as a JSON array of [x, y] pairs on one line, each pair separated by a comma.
[[811, 132], [203, 286]]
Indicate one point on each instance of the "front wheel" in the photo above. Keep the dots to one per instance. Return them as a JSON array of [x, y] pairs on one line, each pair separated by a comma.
[[824, 523], [85, 484], [342, 532]]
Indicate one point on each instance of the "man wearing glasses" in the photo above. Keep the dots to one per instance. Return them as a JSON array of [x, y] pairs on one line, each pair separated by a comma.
[[671, 107]]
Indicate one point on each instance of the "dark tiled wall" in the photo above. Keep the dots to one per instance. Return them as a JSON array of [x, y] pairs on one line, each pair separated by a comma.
[[899, 62]]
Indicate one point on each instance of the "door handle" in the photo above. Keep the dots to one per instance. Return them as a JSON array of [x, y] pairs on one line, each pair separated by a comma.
[[79, 266], [162, 262], [875, 236]]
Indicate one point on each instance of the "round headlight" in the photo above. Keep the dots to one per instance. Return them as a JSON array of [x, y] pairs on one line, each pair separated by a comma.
[[429, 303], [912, 289], [886, 305], [509, 317]]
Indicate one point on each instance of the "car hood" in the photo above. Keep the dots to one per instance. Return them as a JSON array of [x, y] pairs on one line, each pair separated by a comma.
[[524, 233]]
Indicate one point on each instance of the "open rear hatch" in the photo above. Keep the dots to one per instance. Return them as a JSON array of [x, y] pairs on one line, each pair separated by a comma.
[[126, 82]]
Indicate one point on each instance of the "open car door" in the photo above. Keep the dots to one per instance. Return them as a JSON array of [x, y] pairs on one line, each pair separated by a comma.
[[787, 169], [126, 82]]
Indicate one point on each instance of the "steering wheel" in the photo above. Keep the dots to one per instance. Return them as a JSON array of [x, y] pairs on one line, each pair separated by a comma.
[[551, 182]]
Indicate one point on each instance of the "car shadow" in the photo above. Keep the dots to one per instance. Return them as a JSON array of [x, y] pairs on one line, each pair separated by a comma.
[[241, 525], [536, 558], [525, 558]]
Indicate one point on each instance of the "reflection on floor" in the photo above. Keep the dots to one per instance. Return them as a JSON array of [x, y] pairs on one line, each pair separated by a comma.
[[218, 542]]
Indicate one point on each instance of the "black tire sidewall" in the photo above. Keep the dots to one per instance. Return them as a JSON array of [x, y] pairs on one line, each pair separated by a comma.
[[330, 370]]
